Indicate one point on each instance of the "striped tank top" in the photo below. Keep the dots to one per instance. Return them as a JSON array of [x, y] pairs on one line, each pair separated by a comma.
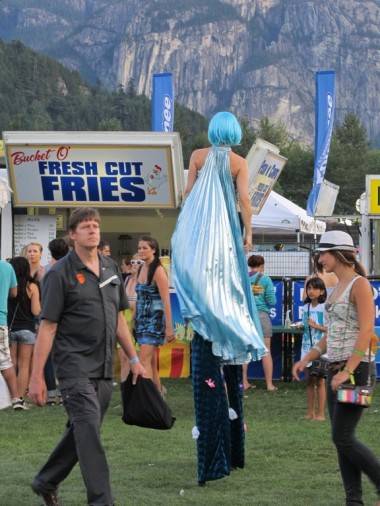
[[342, 326]]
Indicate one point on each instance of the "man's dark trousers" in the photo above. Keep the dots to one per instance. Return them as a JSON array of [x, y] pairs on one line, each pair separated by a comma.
[[86, 401]]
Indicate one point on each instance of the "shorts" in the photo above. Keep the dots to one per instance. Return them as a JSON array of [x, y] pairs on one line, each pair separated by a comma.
[[266, 324], [5, 354], [151, 340], [22, 337]]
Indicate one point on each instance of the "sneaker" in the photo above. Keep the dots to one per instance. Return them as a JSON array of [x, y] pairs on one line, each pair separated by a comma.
[[19, 404], [49, 498]]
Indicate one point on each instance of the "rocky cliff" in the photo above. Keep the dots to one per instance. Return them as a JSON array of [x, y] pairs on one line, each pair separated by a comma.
[[254, 57]]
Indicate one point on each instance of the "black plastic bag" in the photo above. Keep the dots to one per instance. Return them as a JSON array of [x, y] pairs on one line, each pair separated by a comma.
[[144, 406]]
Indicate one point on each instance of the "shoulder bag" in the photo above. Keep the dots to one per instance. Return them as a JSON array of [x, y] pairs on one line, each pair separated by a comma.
[[350, 393]]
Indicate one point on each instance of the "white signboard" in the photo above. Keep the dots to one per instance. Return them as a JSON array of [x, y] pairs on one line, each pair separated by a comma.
[[265, 165], [327, 196], [104, 169], [41, 229]]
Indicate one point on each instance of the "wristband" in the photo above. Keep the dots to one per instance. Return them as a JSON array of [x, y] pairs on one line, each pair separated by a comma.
[[134, 360], [317, 348], [359, 353]]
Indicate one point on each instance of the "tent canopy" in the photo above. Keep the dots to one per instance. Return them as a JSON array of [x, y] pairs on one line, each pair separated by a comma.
[[280, 216]]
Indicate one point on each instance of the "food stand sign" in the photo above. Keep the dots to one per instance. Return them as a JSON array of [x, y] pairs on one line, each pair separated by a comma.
[[99, 169], [265, 165]]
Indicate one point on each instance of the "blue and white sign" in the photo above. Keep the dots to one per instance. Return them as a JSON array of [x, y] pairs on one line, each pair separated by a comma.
[[145, 172], [163, 103], [297, 290], [324, 121], [276, 312]]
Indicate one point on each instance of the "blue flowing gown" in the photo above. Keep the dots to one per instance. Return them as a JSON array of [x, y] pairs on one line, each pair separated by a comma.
[[209, 267]]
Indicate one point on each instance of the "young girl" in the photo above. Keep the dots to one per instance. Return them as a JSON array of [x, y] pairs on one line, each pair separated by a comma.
[[313, 321]]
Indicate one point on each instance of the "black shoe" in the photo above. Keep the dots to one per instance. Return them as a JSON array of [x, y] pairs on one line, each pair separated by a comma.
[[49, 498]]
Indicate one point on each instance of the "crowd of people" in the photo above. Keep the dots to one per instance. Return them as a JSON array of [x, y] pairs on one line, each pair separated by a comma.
[[60, 325]]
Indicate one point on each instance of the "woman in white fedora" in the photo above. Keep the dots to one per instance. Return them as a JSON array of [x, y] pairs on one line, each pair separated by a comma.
[[350, 315]]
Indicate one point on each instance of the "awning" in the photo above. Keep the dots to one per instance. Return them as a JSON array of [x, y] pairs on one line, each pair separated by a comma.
[[281, 216]]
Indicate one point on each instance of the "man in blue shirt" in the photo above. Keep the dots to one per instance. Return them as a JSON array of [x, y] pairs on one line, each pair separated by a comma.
[[8, 288]]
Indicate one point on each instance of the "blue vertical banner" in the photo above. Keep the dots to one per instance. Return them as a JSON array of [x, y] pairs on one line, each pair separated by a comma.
[[276, 312], [298, 303], [324, 120], [162, 103]]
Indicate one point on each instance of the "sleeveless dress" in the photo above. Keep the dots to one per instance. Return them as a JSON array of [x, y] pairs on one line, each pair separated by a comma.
[[210, 275], [150, 318], [209, 268]]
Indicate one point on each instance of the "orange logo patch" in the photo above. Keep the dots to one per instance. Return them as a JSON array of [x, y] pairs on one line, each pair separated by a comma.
[[81, 278]]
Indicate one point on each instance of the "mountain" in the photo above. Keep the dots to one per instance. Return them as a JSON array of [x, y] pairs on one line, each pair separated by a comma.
[[38, 93], [254, 57]]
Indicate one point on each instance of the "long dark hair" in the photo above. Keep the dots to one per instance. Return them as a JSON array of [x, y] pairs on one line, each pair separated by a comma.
[[317, 267], [349, 258], [22, 269], [156, 261], [319, 284]]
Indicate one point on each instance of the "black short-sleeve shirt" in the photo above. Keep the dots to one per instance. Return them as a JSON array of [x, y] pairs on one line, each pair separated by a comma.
[[86, 309]]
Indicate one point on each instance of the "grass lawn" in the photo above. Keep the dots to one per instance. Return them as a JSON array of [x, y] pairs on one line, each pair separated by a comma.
[[289, 461]]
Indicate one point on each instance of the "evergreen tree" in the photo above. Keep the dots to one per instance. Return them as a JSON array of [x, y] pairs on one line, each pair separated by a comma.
[[274, 133], [348, 163], [248, 138]]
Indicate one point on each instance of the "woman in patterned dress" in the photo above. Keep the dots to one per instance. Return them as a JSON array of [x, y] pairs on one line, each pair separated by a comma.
[[153, 323]]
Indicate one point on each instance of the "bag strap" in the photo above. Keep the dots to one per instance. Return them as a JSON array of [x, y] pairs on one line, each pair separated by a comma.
[[258, 277], [308, 326], [369, 383]]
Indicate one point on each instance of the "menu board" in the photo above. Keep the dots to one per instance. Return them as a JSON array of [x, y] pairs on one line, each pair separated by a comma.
[[41, 229]]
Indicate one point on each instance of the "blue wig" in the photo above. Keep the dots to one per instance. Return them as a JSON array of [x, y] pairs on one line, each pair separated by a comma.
[[224, 130]]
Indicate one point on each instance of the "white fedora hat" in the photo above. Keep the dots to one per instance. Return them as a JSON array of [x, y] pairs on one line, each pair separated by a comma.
[[336, 240]]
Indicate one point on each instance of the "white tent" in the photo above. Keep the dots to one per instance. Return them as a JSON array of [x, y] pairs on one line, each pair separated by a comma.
[[280, 216]]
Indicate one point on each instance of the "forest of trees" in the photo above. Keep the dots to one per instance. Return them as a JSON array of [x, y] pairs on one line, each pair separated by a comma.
[[38, 93]]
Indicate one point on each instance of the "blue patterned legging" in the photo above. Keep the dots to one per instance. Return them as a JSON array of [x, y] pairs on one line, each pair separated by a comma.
[[220, 444]]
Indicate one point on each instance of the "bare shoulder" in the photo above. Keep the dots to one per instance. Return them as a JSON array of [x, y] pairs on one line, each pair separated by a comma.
[[238, 162], [198, 156], [160, 273], [361, 286]]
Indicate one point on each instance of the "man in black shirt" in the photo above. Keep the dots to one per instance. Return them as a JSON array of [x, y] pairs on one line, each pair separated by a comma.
[[83, 300]]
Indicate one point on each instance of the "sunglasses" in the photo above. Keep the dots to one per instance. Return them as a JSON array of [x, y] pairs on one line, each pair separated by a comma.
[[137, 262]]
